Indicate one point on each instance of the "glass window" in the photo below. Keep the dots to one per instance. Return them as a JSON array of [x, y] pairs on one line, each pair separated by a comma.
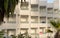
[[24, 4], [34, 33], [42, 9], [24, 30], [11, 32], [34, 7], [56, 11], [49, 19], [33, 30], [42, 19], [42, 30], [34, 19], [24, 19], [12, 18], [50, 10]]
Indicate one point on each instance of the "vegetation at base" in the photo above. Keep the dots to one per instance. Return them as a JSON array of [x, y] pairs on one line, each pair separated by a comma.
[[25, 35], [56, 25], [1, 34], [49, 31]]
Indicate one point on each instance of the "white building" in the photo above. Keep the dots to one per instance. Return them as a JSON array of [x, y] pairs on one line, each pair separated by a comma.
[[32, 16]]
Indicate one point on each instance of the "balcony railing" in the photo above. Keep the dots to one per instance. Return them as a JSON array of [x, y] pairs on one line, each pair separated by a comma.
[[24, 4], [11, 21], [43, 22], [34, 22], [24, 22], [34, 9], [50, 12]]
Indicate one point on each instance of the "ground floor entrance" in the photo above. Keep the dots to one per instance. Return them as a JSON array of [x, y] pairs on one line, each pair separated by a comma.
[[25, 33]]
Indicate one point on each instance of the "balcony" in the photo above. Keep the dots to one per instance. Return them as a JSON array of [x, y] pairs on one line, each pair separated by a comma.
[[11, 19], [34, 10], [50, 10], [24, 5], [42, 19], [34, 7], [34, 19], [42, 29], [24, 30], [49, 19], [11, 32], [43, 10], [24, 19]]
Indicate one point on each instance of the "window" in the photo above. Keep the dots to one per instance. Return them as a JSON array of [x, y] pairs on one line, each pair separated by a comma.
[[12, 18], [55, 10], [34, 33], [24, 30], [42, 9], [50, 10], [42, 29], [34, 7], [49, 19], [24, 19], [11, 32], [42, 19], [34, 19], [55, 18], [33, 30], [24, 4]]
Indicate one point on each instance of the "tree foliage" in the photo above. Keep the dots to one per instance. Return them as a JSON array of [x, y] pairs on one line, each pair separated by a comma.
[[55, 24], [1, 10], [7, 6], [1, 34]]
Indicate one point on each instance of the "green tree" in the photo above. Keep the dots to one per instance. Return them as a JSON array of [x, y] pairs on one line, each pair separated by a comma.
[[24, 35], [7, 6], [1, 34], [56, 24]]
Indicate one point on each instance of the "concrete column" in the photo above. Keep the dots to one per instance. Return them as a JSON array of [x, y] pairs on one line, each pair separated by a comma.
[[38, 31], [5, 34], [29, 30], [17, 32]]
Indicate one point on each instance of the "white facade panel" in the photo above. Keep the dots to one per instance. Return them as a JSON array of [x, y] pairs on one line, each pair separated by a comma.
[[35, 2]]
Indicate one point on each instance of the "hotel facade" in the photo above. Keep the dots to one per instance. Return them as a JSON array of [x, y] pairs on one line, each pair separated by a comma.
[[32, 16]]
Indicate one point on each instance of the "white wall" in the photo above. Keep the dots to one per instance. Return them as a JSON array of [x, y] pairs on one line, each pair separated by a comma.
[[59, 4]]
